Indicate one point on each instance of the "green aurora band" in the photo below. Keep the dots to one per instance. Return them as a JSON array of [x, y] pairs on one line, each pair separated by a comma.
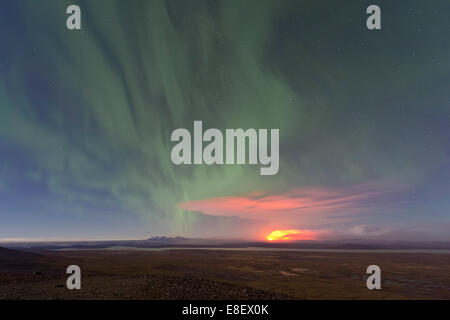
[[91, 111]]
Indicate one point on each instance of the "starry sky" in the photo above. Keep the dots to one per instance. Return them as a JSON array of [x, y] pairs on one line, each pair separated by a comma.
[[86, 118]]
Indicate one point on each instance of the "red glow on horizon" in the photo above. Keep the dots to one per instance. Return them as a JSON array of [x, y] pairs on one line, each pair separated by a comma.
[[290, 235], [306, 207]]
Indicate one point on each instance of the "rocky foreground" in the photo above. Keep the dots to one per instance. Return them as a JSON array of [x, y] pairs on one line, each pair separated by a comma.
[[213, 274], [131, 287]]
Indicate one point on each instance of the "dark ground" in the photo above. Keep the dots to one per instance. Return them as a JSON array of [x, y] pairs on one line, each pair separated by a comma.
[[206, 274]]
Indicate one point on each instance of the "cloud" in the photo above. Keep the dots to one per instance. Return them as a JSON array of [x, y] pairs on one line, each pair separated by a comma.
[[302, 204]]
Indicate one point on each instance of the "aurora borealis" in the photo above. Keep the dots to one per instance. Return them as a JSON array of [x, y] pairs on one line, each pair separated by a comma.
[[86, 118]]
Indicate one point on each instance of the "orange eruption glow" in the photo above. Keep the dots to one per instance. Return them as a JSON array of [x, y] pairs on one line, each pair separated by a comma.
[[288, 235]]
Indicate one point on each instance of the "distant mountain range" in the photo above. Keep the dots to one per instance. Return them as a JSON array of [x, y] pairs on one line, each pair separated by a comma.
[[181, 242]]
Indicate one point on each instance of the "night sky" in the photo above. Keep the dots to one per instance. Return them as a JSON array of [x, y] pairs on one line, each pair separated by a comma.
[[86, 118]]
